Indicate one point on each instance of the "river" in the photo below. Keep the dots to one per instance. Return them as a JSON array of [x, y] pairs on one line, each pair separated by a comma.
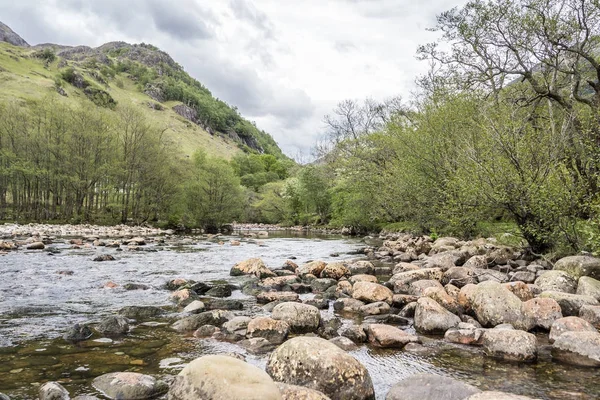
[[43, 293]]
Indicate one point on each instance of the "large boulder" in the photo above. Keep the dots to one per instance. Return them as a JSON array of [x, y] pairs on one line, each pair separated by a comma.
[[587, 286], [129, 386], [381, 335], [509, 344], [252, 266], [348, 305], [403, 280], [578, 266], [432, 318], [569, 324], [361, 267], [570, 304], [591, 314], [459, 276], [301, 318], [318, 364], [442, 297], [312, 268], [217, 377], [430, 387], [113, 326], [541, 312], [557, 281], [335, 270], [52, 391], [370, 292], [274, 331], [578, 348], [493, 304], [417, 288], [293, 392]]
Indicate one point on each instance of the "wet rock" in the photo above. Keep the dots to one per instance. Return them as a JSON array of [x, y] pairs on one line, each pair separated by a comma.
[[371, 292], [404, 267], [195, 307], [219, 291], [301, 288], [509, 344], [293, 392], [578, 348], [570, 304], [301, 318], [252, 266], [322, 284], [556, 281], [377, 308], [336, 270], [361, 267], [4, 397], [459, 276], [279, 282], [204, 378], [387, 336], [290, 265], [493, 304], [174, 284], [193, 322], [312, 268], [541, 312], [363, 278], [569, 324], [432, 318], [345, 288], [320, 365], [78, 333], [355, 333], [113, 326], [400, 300], [344, 343], [348, 305], [53, 391], [578, 266], [430, 387], [267, 297], [591, 314], [135, 286], [320, 303], [104, 257], [274, 331], [402, 281], [206, 331], [493, 395], [329, 326], [222, 304], [408, 311], [36, 246], [464, 336], [129, 386], [237, 324], [587, 286], [183, 297], [257, 345]]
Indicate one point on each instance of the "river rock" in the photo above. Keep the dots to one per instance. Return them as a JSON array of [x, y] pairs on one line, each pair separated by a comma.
[[587, 286], [476, 262], [493, 304], [541, 312], [36, 246], [417, 288], [509, 344], [492, 275], [362, 278], [195, 307], [219, 291], [183, 297], [267, 297], [302, 318], [442, 297], [216, 377], [348, 305], [193, 322], [570, 304], [403, 280], [322, 284], [430, 387], [493, 395], [523, 276], [113, 326], [578, 348], [53, 391], [569, 324], [387, 336], [355, 333], [519, 289], [293, 392], [377, 308], [273, 330], [214, 303], [344, 343], [318, 364], [557, 281], [78, 333], [206, 331], [278, 282], [252, 266], [312, 268], [237, 324], [591, 314], [361, 267], [129, 386], [464, 336], [4, 397], [141, 313], [371, 292], [335, 270], [257, 345], [459, 276], [432, 318], [578, 266]]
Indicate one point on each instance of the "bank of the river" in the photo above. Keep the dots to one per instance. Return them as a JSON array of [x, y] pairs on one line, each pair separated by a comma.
[[410, 306]]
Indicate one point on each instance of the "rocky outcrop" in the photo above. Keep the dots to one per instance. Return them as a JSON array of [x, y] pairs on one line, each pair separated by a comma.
[[9, 36], [318, 364]]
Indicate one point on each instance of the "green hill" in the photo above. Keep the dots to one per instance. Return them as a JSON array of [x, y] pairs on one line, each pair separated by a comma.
[[139, 75]]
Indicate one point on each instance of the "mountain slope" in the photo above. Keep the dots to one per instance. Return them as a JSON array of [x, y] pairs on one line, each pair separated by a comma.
[[119, 74]]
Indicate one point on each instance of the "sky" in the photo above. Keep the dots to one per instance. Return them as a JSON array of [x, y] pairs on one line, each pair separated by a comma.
[[283, 63]]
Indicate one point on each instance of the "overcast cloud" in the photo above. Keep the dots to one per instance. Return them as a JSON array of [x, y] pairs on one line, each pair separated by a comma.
[[283, 63]]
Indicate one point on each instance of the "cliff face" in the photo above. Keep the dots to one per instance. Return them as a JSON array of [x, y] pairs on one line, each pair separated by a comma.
[[9, 36]]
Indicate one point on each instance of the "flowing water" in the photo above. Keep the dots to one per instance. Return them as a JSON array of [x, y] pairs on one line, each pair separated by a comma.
[[44, 293]]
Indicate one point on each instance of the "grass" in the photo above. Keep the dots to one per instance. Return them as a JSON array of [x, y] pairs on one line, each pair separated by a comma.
[[24, 79]]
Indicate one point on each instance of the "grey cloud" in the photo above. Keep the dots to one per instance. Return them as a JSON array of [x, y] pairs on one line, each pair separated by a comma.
[[186, 23], [246, 10], [344, 47]]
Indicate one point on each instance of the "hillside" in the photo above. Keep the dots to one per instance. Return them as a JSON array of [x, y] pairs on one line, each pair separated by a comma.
[[118, 74]]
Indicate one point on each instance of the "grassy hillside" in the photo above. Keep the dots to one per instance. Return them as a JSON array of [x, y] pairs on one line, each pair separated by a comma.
[[123, 73]]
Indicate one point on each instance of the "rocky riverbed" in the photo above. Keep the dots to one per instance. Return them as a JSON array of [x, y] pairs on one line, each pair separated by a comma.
[[164, 316]]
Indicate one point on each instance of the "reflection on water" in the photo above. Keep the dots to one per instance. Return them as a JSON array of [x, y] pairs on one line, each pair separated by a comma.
[[38, 304]]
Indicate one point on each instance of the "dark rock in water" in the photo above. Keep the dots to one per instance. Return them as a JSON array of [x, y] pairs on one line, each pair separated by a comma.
[[78, 333], [200, 288], [53, 391], [193, 322], [178, 283], [257, 345], [129, 386], [320, 303], [219, 291], [104, 257], [206, 331], [578, 348], [141, 313], [135, 286], [113, 326], [430, 387], [355, 333], [222, 304]]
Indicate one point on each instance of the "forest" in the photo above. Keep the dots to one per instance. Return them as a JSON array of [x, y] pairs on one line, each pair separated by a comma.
[[503, 130]]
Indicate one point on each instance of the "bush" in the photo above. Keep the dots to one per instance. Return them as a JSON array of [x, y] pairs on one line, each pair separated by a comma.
[[47, 55]]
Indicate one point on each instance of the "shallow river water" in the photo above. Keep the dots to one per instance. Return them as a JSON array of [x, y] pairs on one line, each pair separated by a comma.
[[39, 301]]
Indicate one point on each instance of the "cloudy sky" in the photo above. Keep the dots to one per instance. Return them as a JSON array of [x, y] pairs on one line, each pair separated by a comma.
[[284, 63]]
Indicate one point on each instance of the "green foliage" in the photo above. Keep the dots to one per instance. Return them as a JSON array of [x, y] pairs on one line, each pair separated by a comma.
[[69, 75], [100, 97], [47, 54]]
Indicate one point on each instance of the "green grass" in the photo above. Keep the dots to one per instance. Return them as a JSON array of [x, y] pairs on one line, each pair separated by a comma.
[[24, 79]]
